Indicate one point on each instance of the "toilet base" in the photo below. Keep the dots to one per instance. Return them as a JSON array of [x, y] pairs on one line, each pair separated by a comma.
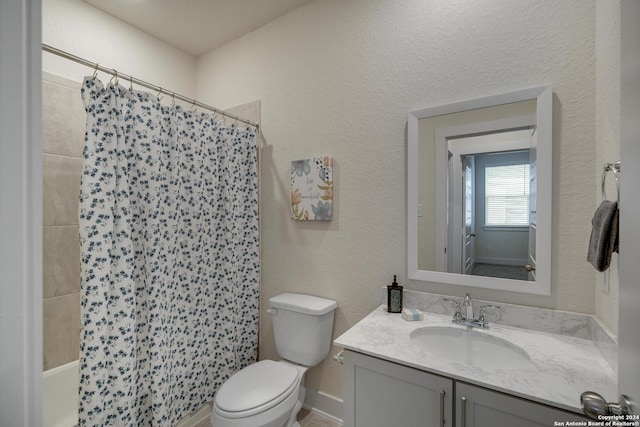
[[293, 419], [278, 416]]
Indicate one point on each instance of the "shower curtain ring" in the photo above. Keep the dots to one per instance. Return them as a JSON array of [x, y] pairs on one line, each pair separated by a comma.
[[194, 108], [114, 78], [130, 83], [95, 72], [173, 99], [158, 95]]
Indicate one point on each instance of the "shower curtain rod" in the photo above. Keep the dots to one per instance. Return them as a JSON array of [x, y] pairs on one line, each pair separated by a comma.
[[139, 82]]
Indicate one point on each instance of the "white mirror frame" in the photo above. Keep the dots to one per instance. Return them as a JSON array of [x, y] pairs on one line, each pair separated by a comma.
[[544, 113]]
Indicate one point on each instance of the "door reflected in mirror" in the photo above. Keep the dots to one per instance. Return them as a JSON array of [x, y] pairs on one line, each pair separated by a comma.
[[492, 188], [473, 192]]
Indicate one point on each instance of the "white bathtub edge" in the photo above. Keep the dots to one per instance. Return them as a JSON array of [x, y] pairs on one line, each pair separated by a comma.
[[60, 396]]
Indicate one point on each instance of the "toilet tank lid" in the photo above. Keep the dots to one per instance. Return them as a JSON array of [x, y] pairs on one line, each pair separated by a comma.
[[301, 303]]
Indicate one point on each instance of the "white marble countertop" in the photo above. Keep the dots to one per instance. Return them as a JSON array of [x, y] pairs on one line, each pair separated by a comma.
[[561, 367]]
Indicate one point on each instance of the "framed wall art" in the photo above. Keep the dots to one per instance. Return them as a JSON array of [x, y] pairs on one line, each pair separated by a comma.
[[312, 189]]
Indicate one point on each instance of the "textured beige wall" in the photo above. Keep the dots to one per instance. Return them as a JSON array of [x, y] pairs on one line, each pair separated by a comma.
[[338, 77], [63, 128], [607, 136], [82, 30]]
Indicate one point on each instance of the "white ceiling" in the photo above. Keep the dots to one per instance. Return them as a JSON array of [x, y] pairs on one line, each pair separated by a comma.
[[197, 26]]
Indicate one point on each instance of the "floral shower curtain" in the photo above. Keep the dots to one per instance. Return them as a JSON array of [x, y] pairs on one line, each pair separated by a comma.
[[170, 258]]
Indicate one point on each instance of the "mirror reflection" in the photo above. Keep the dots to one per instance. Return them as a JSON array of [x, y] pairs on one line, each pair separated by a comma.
[[489, 199], [479, 204]]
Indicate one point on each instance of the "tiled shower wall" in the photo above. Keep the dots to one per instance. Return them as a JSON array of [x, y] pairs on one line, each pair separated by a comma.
[[63, 140]]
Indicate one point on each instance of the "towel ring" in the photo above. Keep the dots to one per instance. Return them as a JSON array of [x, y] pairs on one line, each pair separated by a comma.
[[615, 169]]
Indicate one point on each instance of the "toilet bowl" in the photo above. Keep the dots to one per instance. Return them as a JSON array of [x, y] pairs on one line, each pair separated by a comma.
[[266, 394], [269, 393]]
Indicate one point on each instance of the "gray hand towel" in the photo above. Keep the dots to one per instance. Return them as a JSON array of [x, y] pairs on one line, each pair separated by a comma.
[[604, 235]]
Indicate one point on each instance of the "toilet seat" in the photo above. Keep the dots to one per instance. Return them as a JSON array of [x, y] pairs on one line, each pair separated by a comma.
[[255, 389]]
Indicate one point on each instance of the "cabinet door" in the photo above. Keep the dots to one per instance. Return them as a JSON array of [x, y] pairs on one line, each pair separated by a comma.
[[384, 394], [478, 407]]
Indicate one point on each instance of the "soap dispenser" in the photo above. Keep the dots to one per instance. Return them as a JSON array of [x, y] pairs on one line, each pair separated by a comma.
[[394, 297]]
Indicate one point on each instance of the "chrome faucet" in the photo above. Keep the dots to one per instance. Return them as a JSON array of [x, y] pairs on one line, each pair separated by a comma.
[[468, 307], [467, 319]]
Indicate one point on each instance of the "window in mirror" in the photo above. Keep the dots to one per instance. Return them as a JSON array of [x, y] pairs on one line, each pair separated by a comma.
[[506, 198]]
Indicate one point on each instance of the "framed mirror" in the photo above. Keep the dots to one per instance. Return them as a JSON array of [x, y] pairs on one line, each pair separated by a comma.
[[479, 192]]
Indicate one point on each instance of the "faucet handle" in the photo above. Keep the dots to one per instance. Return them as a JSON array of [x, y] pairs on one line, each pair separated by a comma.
[[452, 300], [483, 323], [482, 307], [458, 313]]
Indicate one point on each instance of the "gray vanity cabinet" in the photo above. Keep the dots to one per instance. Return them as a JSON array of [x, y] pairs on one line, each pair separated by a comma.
[[479, 407], [378, 393]]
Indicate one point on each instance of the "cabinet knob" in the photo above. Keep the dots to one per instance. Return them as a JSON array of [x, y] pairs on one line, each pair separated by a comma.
[[529, 267], [593, 405]]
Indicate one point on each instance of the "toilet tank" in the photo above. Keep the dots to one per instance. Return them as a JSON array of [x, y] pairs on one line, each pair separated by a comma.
[[302, 326]]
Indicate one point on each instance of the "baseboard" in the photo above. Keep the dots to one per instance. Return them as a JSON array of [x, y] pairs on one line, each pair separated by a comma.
[[501, 261], [324, 404], [199, 417], [316, 401]]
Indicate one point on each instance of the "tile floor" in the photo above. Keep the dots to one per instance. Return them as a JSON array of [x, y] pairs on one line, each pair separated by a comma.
[[308, 418]]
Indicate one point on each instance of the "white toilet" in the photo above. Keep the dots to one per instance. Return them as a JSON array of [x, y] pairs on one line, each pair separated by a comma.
[[269, 393]]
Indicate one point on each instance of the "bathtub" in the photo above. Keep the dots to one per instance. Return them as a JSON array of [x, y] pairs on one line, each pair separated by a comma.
[[60, 396], [60, 399]]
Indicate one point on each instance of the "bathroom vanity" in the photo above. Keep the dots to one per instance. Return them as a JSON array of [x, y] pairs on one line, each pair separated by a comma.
[[435, 373]]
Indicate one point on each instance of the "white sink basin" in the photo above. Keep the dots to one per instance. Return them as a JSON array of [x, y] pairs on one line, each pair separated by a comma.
[[471, 347]]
